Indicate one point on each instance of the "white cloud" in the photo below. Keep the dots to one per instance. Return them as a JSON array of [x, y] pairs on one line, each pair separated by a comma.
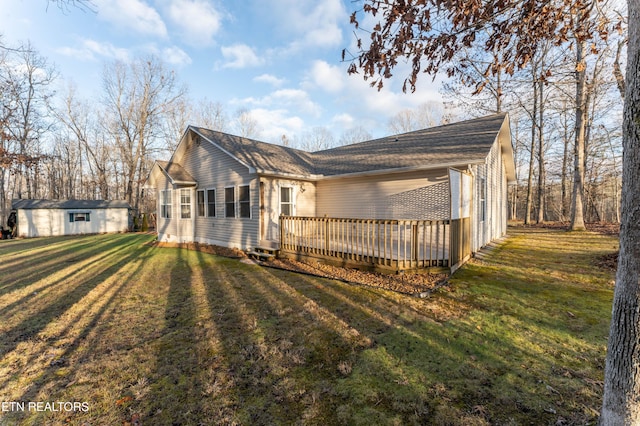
[[240, 56], [269, 79], [94, 50], [276, 123], [134, 15], [176, 56], [198, 20], [328, 77], [285, 99], [310, 23], [343, 120]]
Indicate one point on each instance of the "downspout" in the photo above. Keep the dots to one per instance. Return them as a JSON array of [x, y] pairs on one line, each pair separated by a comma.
[[194, 212]]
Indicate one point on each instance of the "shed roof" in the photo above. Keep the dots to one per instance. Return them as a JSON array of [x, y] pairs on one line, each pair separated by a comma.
[[31, 204]]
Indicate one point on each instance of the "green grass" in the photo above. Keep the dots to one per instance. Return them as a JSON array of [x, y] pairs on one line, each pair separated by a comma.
[[170, 336]]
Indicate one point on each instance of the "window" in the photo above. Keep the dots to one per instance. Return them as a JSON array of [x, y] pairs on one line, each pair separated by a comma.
[[483, 201], [211, 202], [185, 203], [200, 202], [286, 201], [229, 202], [80, 217], [244, 201], [165, 204]]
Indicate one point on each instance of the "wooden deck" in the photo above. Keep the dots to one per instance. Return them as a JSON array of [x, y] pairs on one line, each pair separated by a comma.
[[377, 244]]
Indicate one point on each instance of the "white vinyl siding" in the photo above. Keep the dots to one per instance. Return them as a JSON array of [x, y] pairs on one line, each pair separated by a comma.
[[303, 199], [416, 195], [491, 198], [215, 170], [53, 222]]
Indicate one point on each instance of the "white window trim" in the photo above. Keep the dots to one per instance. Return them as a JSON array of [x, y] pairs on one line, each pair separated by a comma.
[[235, 201], [483, 200], [163, 203], [191, 215], [292, 202], [204, 203], [215, 203], [238, 209]]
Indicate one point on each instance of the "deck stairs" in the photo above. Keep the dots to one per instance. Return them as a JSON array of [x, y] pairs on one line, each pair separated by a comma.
[[265, 251]]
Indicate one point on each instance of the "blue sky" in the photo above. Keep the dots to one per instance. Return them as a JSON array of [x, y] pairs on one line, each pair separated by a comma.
[[279, 59]]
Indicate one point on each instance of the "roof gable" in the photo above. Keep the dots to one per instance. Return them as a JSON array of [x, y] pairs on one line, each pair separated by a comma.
[[262, 157]]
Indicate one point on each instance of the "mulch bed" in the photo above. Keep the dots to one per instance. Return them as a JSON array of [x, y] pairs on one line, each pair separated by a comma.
[[205, 248], [420, 285], [415, 284]]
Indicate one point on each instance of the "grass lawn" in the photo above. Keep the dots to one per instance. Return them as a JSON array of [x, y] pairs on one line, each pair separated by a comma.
[[161, 336]]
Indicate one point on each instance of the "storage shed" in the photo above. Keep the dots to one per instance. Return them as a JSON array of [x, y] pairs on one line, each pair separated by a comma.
[[45, 218]]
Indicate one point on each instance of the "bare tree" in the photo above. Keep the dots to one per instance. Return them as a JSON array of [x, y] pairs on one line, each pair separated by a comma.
[[246, 124], [354, 135], [137, 98], [28, 88], [211, 114], [425, 115], [316, 139]]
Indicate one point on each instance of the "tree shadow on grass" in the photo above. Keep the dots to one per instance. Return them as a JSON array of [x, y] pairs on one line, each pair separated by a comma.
[[69, 322], [176, 390], [29, 273], [424, 371], [46, 309]]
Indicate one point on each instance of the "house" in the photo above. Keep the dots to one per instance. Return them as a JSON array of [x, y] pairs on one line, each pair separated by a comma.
[[45, 218], [231, 191]]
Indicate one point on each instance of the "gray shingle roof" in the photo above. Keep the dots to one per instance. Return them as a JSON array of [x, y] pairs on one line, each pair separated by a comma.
[[68, 204], [262, 156], [458, 143], [176, 172]]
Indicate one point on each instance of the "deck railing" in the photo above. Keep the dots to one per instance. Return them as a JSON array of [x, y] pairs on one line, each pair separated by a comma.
[[383, 244]]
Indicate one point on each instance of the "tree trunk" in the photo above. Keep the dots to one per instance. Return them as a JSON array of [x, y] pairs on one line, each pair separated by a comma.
[[621, 402], [577, 208], [527, 215], [565, 163], [541, 170]]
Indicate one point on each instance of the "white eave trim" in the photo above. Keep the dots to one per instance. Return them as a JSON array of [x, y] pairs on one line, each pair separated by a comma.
[[458, 163], [319, 177]]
